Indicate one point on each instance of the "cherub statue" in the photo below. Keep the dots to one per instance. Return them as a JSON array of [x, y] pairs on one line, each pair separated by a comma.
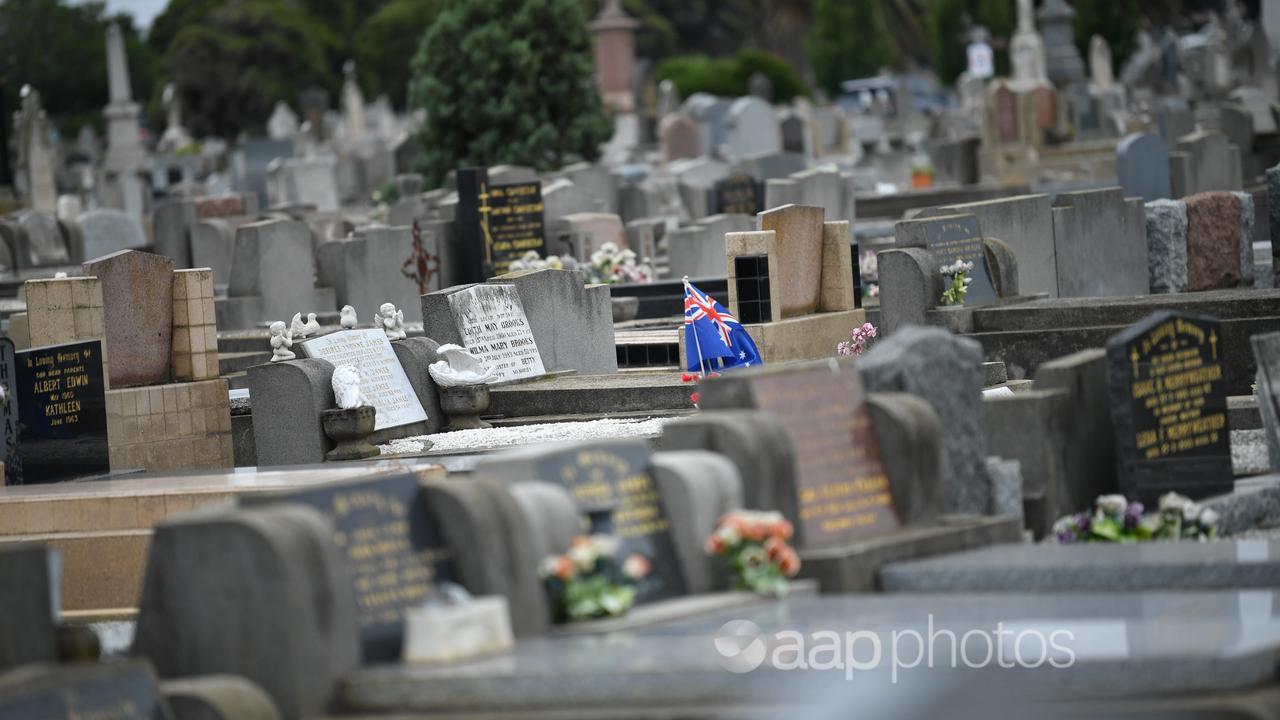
[[346, 388], [348, 317], [281, 341], [391, 321]]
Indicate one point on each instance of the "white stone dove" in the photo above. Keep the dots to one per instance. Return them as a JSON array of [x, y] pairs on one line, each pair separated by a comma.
[[300, 329], [348, 317], [346, 387], [459, 367], [391, 321]]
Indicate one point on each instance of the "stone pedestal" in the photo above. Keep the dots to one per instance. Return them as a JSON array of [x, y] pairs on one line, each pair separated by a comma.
[[464, 404], [350, 430]]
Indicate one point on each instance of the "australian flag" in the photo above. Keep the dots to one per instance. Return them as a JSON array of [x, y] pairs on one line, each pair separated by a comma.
[[713, 338]]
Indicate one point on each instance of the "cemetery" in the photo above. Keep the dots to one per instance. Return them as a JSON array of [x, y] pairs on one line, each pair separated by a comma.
[[598, 389]]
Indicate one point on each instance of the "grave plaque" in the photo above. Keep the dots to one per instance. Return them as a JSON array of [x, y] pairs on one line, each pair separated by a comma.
[[739, 195], [9, 413], [382, 377], [958, 238], [383, 527], [124, 690], [497, 224], [610, 475], [494, 328], [62, 412], [1169, 406], [841, 488]]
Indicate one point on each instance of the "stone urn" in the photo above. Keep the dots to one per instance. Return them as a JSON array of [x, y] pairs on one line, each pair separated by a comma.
[[350, 429], [625, 308], [463, 404]]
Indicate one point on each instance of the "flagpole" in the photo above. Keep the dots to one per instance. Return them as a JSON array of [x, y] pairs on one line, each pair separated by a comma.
[[702, 364]]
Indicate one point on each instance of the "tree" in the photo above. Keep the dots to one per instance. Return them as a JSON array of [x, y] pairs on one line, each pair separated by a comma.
[[949, 21], [385, 45], [507, 81], [231, 68], [847, 41], [1115, 20], [729, 77]]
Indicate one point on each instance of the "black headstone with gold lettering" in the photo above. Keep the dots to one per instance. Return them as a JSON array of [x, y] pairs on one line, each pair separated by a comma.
[[9, 413], [841, 490], [610, 481], [738, 194], [62, 413], [394, 552], [1169, 407], [497, 224], [122, 690]]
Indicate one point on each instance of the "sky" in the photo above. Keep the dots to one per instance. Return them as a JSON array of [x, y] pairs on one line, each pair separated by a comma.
[[143, 11]]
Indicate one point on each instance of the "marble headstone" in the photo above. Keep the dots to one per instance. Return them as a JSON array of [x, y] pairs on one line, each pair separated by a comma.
[[382, 378], [492, 323]]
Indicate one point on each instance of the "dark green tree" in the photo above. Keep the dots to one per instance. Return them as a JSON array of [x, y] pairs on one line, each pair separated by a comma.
[[729, 77], [231, 68], [385, 45], [1115, 20], [948, 23], [507, 81], [848, 41]]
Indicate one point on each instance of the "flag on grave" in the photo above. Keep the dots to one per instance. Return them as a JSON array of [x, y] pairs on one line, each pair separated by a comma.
[[713, 338]]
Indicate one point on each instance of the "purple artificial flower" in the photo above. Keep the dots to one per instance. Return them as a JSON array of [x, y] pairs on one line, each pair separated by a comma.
[[1133, 515]]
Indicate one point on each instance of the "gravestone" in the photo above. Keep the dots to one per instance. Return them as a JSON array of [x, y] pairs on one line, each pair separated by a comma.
[[137, 297], [1142, 165], [841, 491], [799, 243], [679, 137], [1273, 197], [1205, 161], [751, 129], [46, 244], [1025, 223], [382, 379], [9, 413], [1101, 244], [383, 527], [492, 324], [106, 231], [62, 412], [272, 275], [30, 592], [497, 224], [1266, 351], [572, 324], [1169, 406], [1167, 245], [610, 482], [948, 239], [739, 195], [1213, 241], [124, 690]]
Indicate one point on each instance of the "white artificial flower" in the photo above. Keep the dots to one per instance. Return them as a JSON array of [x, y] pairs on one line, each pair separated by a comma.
[[605, 545], [729, 535], [1208, 518], [1172, 501], [554, 263], [583, 555], [1190, 512], [1112, 504]]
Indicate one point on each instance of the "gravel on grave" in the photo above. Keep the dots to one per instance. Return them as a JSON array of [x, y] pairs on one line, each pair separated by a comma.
[[492, 438]]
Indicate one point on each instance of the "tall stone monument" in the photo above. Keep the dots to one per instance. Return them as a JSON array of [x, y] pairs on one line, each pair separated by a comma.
[[35, 155], [1064, 65], [352, 104], [125, 154], [1026, 50], [175, 136], [615, 34]]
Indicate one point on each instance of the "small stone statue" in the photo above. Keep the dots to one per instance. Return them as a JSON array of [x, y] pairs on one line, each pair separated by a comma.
[[391, 321], [281, 341], [458, 367], [300, 330], [346, 388], [348, 317]]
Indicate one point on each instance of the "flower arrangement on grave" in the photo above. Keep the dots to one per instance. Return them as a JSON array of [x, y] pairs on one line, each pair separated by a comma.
[[1114, 519], [754, 545], [858, 342], [587, 582], [611, 264], [531, 260], [957, 274]]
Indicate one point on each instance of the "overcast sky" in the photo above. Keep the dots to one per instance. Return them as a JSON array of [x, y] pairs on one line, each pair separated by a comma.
[[143, 11]]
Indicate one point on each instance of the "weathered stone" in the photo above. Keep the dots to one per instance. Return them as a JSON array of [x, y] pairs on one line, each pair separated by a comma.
[[679, 137], [572, 324], [1101, 245], [1247, 236], [946, 371], [1088, 438], [217, 697], [906, 428], [755, 441], [1206, 161], [750, 129], [910, 286], [1213, 241], [416, 355], [213, 244], [799, 238], [137, 294], [1167, 245], [1006, 486], [1024, 223], [699, 487], [1030, 427], [46, 243], [1142, 164], [1002, 263], [288, 398], [107, 231]]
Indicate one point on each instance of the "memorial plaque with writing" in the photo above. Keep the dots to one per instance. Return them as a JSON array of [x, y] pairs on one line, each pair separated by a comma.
[[958, 238], [1169, 407], [395, 554], [62, 412], [494, 328], [382, 377], [841, 488], [9, 412], [497, 224], [739, 194], [122, 690]]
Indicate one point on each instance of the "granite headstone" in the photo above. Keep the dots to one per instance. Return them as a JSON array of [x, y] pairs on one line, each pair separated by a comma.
[[62, 412], [497, 224]]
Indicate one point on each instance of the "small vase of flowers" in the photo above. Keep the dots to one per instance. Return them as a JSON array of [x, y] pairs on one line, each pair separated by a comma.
[[754, 545], [587, 582]]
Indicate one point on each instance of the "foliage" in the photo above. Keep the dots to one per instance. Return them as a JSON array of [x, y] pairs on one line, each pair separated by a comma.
[[1116, 520], [958, 282], [731, 77], [948, 23], [385, 44], [587, 582], [231, 69], [60, 49], [848, 41], [755, 547], [507, 81], [1115, 20]]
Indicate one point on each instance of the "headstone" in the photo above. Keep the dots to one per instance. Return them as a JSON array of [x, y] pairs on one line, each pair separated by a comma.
[[1213, 241], [1167, 245], [1101, 73], [1205, 161], [572, 324], [1025, 223], [604, 476], [1169, 406], [62, 411], [493, 326], [796, 137], [382, 379], [30, 590], [9, 412], [679, 137], [841, 491], [799, 243], [1101, 244], [384, 528], [740, 195], [497, 224], [106, 231], [1142, 164], [124, 690], [1259, 106], [137, 296], [751, 129], [45, 242], [952, 238]]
